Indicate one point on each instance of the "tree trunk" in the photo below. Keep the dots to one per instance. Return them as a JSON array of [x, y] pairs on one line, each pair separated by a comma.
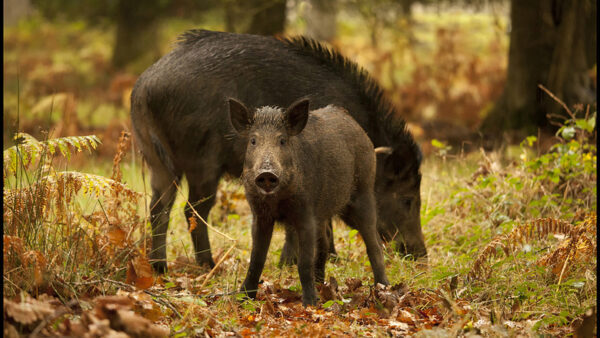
[[320, 19], [137, 28], [15, 10], [552, 43], [263, 17]]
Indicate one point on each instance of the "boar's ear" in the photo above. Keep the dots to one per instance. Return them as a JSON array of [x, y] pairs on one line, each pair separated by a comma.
[[296, 116], [383, 150], [240, 116]]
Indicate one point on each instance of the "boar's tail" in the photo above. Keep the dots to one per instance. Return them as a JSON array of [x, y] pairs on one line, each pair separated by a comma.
[[162, 153]]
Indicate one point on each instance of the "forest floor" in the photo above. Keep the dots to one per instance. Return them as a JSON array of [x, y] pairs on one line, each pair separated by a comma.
[[510, 234]]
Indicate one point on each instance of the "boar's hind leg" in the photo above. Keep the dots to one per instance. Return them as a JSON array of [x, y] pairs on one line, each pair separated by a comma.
[[202, 198], [163, 195], [262, 230], [289, 253], [329, 229], [361, 215]]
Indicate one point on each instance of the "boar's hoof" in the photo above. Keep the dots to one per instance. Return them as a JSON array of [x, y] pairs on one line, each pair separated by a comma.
[[159, 267], [209, 262], [309, 300], [250, 293]]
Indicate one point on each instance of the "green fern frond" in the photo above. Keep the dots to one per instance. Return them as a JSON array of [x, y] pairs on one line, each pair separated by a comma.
[[29, 150]]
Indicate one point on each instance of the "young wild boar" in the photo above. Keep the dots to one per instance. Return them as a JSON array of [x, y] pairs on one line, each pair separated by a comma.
[[301, 169]]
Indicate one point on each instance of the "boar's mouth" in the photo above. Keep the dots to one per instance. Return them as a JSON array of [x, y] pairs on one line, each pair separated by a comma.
[[411, 251], [402, 246], [268, 193]]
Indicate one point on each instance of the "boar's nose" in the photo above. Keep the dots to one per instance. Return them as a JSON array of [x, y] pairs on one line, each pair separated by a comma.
[[267, 181]]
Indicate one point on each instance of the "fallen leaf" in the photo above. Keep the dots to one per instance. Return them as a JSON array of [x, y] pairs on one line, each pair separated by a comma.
[[353, 283], [139, 273], [111, 303], [135, 325], [116, 237], [28, 311], [38, 261], [267, 308], [329, 291]]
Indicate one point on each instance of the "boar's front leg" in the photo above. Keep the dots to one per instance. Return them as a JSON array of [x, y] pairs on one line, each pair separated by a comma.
[[262, 230], [289, 252]]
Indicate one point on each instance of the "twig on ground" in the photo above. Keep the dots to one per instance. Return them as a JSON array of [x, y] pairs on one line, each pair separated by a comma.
[[557, 100], [217, 265], [202, 219], [210, 295]]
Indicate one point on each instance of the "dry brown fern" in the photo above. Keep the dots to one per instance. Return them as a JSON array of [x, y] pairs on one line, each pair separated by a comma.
[[577, 238], [121, 149], [59, 190], [47, 230], [578, 247]]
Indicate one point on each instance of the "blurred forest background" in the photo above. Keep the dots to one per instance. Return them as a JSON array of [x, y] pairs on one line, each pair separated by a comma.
[[510, 227], [446, 65]]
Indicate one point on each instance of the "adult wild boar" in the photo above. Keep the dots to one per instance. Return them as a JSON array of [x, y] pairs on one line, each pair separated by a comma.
[[302, 169], [180, 120]]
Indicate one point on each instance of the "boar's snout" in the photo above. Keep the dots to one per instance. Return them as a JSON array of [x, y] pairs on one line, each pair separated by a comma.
[[267, 181], [416, 249]]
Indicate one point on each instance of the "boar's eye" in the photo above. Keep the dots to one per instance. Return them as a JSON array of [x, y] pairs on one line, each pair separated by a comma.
[[282, 141], [253, 141], [407, 202]]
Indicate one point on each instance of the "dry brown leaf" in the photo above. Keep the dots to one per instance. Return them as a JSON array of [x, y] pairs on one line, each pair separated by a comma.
[[329, 291], [10, 331], [113, 302], [13, 245], [139, 273], [267, 309], [73, 329], [117, 311], [135, 325], [385, 295], [28, 311], [193, 222], [353, 284], [145, 306], [116, 237], [405, 317], [37, 259], [100, 328]]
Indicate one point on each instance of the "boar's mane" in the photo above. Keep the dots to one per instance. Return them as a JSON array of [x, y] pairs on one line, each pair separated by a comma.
[[389, 123]]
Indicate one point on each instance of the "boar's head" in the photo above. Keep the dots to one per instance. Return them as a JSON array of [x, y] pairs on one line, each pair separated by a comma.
[[269, 159], [398, 199]]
